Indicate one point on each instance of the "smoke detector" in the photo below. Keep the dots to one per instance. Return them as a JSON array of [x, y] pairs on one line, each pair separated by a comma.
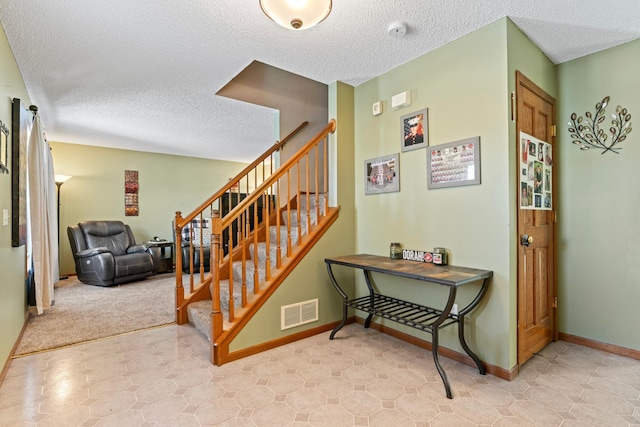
[[397, 29]]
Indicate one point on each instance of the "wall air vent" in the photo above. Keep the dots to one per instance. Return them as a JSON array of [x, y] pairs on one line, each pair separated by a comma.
[[298, 314]]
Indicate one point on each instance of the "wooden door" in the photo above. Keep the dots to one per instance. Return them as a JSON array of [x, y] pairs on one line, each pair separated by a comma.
[[537, 303]]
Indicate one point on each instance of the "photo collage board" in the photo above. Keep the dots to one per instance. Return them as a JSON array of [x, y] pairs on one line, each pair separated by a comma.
[[536, 165]]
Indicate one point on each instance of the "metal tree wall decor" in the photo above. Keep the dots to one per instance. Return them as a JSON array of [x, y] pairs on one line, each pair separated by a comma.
[[586, 132]]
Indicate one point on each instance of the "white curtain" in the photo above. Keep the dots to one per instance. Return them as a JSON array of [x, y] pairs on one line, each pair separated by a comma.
[[42, 231]]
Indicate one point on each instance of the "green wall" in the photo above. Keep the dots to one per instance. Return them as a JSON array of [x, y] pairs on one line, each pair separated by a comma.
[[166, 184], [598, 244], [464, 87], [13, 299]]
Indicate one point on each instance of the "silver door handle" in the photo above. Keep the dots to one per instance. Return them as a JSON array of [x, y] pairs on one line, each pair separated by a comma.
[[526, 240]]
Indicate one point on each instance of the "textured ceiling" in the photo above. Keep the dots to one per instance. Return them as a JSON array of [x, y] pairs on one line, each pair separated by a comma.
[[142, 74]]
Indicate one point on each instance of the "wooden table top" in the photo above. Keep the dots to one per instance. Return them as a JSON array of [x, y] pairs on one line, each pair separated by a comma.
[[448, 275]]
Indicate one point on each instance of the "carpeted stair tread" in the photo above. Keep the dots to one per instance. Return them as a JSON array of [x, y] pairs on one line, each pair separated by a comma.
[[199, 313]]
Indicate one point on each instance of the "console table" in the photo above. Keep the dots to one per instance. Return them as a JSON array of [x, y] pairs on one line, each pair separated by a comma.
[[415, 315]]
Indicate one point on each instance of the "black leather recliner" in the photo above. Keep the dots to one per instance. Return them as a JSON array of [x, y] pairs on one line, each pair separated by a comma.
[[196, 258], [106, 253]]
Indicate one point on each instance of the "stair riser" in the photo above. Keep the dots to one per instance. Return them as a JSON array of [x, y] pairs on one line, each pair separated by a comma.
[[312, 199]]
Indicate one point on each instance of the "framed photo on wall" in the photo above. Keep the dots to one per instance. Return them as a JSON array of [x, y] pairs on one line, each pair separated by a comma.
[[414, 129], [382, 174], [454, 164]]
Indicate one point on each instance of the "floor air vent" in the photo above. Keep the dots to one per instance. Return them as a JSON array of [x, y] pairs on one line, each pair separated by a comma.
[[298, 314]]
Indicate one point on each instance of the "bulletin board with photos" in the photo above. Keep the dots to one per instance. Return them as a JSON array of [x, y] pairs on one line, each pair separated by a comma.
[[536, 166]]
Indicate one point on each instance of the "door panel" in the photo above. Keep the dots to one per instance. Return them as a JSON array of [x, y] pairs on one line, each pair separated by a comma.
[[536, 258]]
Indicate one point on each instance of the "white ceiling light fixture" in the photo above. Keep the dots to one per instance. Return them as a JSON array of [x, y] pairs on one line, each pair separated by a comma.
[[296, 14]]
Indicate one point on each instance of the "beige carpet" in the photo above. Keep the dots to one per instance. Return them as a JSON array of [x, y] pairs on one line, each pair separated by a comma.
[[84, 313]]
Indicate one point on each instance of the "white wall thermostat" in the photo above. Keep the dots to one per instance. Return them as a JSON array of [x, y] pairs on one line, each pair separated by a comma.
[[376, 109]]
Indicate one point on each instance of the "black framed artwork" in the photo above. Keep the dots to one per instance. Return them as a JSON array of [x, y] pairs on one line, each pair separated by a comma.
[[21, 118], [4, 148]]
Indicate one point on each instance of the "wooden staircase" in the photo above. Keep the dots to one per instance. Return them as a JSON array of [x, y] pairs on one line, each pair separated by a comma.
[[266, 234]]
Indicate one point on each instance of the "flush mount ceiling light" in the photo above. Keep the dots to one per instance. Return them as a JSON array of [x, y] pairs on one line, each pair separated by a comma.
[[296, 14]]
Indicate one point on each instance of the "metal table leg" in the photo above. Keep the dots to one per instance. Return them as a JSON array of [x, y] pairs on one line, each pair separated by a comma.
[[461, 337], [345, 300], [367, 279], [434, 341]]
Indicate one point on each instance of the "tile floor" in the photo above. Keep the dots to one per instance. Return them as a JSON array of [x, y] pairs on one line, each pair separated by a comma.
[[162, 377]]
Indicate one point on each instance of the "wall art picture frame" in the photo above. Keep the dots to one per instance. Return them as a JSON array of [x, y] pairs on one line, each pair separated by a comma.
[[131, 207], [414, 130], [454, 164], [382, 174], [4, 148], [20, 121]]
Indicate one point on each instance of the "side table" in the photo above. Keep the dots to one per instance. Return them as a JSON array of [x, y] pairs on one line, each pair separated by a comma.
[[162, 253], [413, 314]]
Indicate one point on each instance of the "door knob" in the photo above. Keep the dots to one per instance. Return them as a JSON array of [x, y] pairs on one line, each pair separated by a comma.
[[526, 240]]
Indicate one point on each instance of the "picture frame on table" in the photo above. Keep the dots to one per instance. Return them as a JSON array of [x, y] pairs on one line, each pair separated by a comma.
[[414, 130], [382, 174]]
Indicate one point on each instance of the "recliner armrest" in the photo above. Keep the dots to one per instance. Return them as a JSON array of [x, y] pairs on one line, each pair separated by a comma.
[[92, 251], [134, 249]]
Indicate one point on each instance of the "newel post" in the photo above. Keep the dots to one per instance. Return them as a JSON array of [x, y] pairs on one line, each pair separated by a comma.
[[180, 312]]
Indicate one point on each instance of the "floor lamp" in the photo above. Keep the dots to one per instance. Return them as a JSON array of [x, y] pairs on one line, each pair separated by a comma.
[[60, 179]]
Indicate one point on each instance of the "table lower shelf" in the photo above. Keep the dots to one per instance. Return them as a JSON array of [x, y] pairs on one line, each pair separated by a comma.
[[407, 313]]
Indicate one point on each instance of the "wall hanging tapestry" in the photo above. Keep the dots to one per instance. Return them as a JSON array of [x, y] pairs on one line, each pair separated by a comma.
[[131, 193]]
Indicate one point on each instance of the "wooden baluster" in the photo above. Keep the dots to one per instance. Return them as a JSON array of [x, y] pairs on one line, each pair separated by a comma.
[[256, 260], [288, 214], [201, 249], [307, 198], [265, 226], [216, 314], [232, 309], [317, 187], [244, 259], [298, 206], [278, 215], [326, 175], [191, 255]]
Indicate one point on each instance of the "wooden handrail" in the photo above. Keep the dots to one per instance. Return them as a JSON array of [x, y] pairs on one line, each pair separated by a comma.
[[277, 146], [284, 168]]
